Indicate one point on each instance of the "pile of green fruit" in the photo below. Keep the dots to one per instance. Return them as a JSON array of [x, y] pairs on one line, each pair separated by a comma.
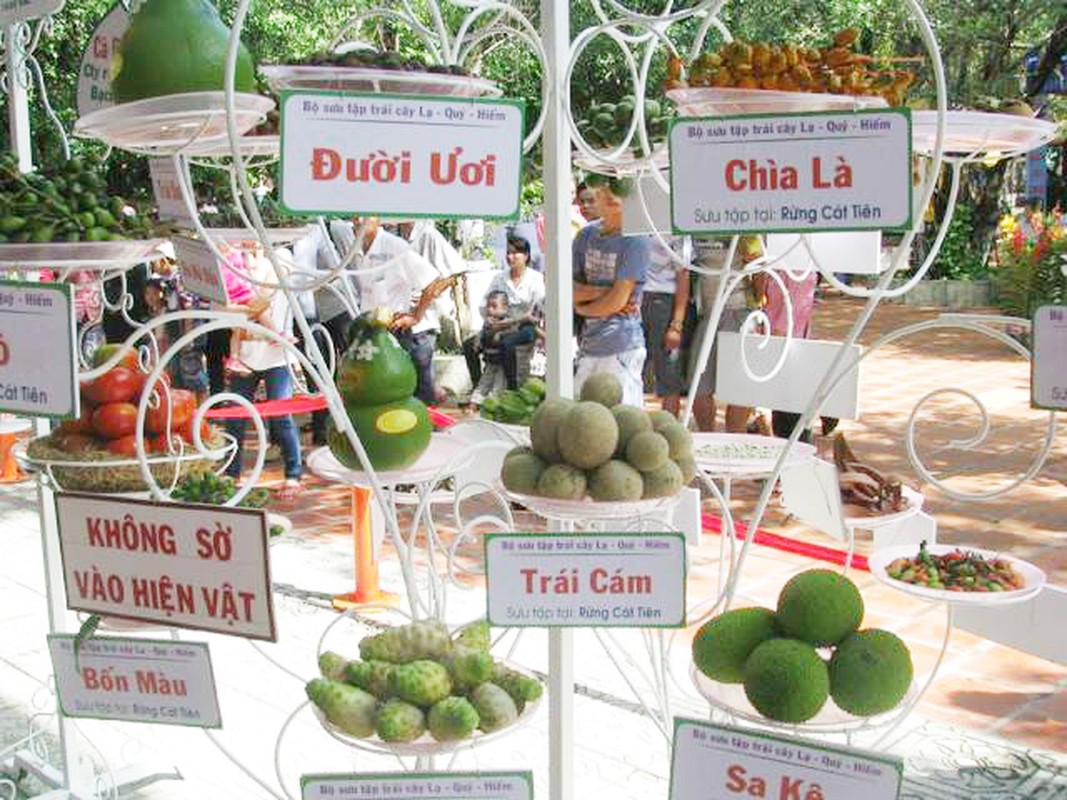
[[515, 406], [601, 448], [388, 60], [214, 490], [414, 679], [775, 654], [605, 124], [66, 202]]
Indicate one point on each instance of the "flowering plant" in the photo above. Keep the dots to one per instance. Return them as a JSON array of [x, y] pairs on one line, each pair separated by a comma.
[[1032, 261]]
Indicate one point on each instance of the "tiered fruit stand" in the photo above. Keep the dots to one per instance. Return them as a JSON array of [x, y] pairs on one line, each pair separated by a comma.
[[212, 126]]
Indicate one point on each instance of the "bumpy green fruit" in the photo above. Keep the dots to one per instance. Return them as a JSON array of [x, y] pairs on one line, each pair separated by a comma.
[[332, 666], [452, 719], [422, 639], [475, 636], [663, 482], [870, 672], [371, 676], [495, 707], [422, 682], [615, 481], [820, 607], [603, 388], [469, 667], [522, 688], [786, 680], [647, 451], [349, 708], [724, 643], [400, 722], [520, 472], [563, 482]]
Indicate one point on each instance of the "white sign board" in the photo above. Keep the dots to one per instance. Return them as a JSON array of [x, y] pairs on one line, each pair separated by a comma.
[[715, 762], [35, 316], [419, 786], [136, 680], [168, 191], [1048, 367], [849, 252], [586, 580], [12, 11], [792, 172], [202, 567], [400, 156], [200, 270], [94, 75]]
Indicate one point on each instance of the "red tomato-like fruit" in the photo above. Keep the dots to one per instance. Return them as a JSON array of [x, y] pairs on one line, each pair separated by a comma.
[[124, 446], [115, 420], [182, 407], [119, 385], [84, 422], [186, 431], [70, 442], [129, 357]]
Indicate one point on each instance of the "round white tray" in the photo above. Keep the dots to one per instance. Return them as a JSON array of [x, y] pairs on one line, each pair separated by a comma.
[[748, 454], [1033, 577], [977, 133], [248, 147], [710, 101], [914, 506], [172, 123], [80, 255], [587, 508], [444, 452], [730, 697], [366, 79]]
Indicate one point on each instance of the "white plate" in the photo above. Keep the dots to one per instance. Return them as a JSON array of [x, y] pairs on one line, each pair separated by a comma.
[[978, 133], [172, 123], [367, 79], [744, 453], [587, 508], [80, 255], [914, 505], [248, 147], [1033, 577], [731, 697], [444, 452], [714, 102]]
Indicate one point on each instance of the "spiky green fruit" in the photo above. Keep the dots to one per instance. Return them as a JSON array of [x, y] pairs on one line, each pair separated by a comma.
[[452, 719], [422, 639], [348, 707], [370, 676], [400, 722], [421, 682], [495, 707]]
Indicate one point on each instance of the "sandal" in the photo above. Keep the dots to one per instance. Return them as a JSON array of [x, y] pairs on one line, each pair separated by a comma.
[[289, 491], [236, 367]]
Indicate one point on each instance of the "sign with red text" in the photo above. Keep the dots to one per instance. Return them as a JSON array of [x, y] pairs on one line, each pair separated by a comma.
[[419, 786], [401, 156], [202, 567], [13, 11], [200, 269], [834, 171], [136, 680], [32, 316], [718, 762], [1048, 366], [94, 75], [168, 191], [610, 580]]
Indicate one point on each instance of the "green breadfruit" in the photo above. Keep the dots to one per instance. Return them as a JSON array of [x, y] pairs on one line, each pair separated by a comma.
[[544, 428], [630, 420], [420, 682], [520, 472], [666, 481], [469, 667], [562, 481], [452, 719], [371, 676], [786, 680], [616, 481], [724, 643], [659, 418], [647, 451], [332, 666], [603, 388], [870, 673], [678, 439], [587, 435], [348, 707], [400, 722], [475, 636], [820, 607], [422, 639], [495, 707]]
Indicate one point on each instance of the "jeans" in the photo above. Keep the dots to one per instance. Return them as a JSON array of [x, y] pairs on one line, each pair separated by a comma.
[[472, 353], [525, 334], [283, 430], [420, 347]]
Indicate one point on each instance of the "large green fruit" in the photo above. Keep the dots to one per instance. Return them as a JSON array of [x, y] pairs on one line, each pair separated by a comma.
[[173, 47], [724, 643], [375, 369], [820, 607], [393, 434], [786, 680], [870, 672]]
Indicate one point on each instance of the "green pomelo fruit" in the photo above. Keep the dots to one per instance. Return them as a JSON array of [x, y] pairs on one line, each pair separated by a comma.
[[393, 434], [870, 673], [786, 680], [544, 428], [630, 420], [666, 481], [375, 369], [724, 643], [615, 480], [587, 435], [820, 607], [647, 451], [603, 388]]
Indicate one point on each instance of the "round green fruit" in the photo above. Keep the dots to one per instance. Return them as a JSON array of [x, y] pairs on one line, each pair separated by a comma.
[[587, 435], [724, 643], [631, 421], [521, 471], [870, 673], [786, 680], [647, 451], [820, 607], [393, 434], [562, 482], [544, 428], [615, 481], [375, 369], [603, 388]]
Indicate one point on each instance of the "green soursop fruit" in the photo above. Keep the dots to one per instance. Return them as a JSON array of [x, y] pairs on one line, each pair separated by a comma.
[[420, 682], [666, 481], [521, 471], [332, 666], [475, 636], [495, 707], [370, 676], [348, 707], [563, 482], [544, 428], [452, 719], [469, 667], [631, 421], [522, 688], [603, 388], [400, 722], [678, 438], [587, 435], [615, 480], [647, 451], [422, 639]]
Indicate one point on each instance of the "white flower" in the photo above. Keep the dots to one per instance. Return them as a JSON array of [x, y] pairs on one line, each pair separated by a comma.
[[366, 351]]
